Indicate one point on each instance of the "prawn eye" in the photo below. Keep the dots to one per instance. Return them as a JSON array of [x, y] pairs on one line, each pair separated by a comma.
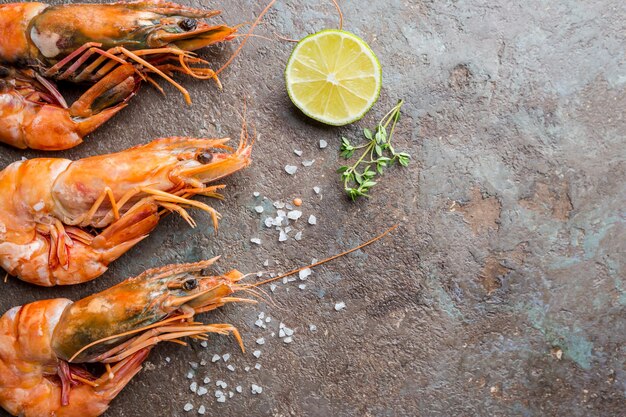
[[190, 284], [188, 24], [205, 157]]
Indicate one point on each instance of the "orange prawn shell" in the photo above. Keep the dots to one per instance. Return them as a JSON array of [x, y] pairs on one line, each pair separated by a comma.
[[15, 43]]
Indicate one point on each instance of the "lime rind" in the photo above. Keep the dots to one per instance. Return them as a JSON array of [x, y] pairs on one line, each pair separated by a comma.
[[316, 66]]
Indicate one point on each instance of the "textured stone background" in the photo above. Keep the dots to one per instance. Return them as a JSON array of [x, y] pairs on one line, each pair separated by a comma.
[[511, 245]]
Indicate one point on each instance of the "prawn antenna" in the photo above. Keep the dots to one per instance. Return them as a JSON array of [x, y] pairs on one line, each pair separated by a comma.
[[295, 271], [245, 39]]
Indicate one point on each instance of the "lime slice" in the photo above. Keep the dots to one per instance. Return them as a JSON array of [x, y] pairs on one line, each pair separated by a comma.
[[333, 77]]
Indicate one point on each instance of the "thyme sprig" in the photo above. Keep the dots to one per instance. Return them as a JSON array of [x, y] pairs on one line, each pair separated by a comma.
[[378, 155]]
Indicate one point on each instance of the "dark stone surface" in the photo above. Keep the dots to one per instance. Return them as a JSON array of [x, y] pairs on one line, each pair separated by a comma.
[[511, 244]]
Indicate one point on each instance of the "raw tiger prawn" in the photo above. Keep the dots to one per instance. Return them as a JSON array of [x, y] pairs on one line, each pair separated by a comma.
[[62, 222], [44, 344], [88, 43]]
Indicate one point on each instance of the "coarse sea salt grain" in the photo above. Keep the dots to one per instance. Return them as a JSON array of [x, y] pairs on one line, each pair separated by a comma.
[[260, 341], [312, 219], [294, 214], [215, 358], [188, 407], [221, 399], [308, 163], [255, 240], [297, 152], [269, 222], [317, 190], [257, 366], [273, 287], [201, 409], [340, 306], [302, 286], [257, 354], [288, 339], [288, 331], [206, 380], [226, 356], [256, 193], [291, 169], [190, 375], [231, 368], [278, 204], [305, 273], [323, 144], [204, 344], [239, 389], [193, 387], [282, 236], [168, 359], [259, 209], [202, 391], [298, 236], [312, 327]]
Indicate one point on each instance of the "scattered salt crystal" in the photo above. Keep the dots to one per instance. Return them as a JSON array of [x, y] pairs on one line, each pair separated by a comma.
[[206, 380], [168, 359], [281, 333], [273, 287], [340, 306], [39, 206], [215, 358], [279, 204], [312, 219], [260, 341], [288, 229], [282, 236], [259, 323], [256, 389], [188, 407], [305, 273], [231, 368], [308, 163], [259, 209], [312, 327], [269, 222], [317, 190], [291, 169], [268, 319], [257, 366], [194, 365], [239, 389], [288, 339], [256, 193], [247, 369], [230, 394], [202, 362], [256, 240], [190, 375], [294, 214], [226, 356], [297, 152], [257, 354], [201, 409], [262, 314], [281, 325], [302, 286], [193, 387], [288, 331], [259, 274], [204, 344], [298, 236], [221, 399], [202, 391], [323, 144], [218, 383]]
